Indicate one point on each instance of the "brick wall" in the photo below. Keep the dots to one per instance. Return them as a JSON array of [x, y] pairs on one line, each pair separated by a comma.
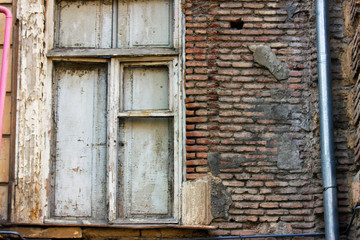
[[6, 154], [260, 135], [352, 68]]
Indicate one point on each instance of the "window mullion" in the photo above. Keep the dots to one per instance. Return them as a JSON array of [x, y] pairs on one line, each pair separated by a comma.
[[112, 130]]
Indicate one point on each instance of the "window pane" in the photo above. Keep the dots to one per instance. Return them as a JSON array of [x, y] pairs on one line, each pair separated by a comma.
[[84, 23], [150, 22], [146, 87], [148, 158], [80, 148], [90, 24]]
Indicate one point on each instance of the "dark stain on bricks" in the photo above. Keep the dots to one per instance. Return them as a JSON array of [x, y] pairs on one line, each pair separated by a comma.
[[214, 162], [220, 199]]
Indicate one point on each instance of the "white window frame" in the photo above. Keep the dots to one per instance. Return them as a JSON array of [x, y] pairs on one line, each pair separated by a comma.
[[172, 57]]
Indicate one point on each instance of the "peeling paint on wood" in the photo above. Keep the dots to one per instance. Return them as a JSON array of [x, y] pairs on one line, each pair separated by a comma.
[[148, 166], [146, 88], [33, 201], [76, 29], [144, 23], [80, 147], [33, 110]]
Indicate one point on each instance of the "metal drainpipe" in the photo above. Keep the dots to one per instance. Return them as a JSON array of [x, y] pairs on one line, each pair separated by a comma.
[[326, 125]]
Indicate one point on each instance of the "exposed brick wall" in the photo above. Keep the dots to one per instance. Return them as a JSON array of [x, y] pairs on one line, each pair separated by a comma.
[[258, 134], [353, 69], [343, 129]]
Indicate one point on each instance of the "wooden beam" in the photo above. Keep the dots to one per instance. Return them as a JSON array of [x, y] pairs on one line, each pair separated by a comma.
[[111, 52]]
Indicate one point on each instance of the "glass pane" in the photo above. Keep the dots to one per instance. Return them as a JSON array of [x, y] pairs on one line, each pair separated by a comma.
[[146, 87], [148, 158], [80, 148]]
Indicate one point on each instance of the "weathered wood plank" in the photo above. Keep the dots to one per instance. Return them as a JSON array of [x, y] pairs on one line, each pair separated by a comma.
[[80, 141], [76, 29], [2, 22], [112, 131], [148, 145], [7, 116], [103, 53], [150, 23], [33, 110], [8, 78], [146, 88]]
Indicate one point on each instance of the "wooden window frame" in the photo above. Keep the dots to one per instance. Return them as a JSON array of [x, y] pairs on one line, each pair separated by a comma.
[[115, 58]]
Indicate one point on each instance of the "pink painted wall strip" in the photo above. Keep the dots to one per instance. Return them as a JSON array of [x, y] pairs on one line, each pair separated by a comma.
[[5, 63]]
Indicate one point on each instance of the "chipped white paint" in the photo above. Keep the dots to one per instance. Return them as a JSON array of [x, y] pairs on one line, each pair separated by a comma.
[[35, 102], [84, 24], [150, 22], [139, 23], [144, 23], [80, 152], [148, 157], [146, 88], [112, 141], [33, 111]]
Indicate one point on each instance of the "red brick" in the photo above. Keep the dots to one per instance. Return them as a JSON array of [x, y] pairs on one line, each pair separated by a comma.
[[201, 155], [269, 205], [277, 198], [277, 212], [248, 197], [291, 205], [276, 184], [202, 169], [196, 119], [196, 162], [194, 176], [292, 218], [195, 64], [197, 148], [246, 205], [254, 5], [197, 134], [257, 212], [254, 184], [268, 219]]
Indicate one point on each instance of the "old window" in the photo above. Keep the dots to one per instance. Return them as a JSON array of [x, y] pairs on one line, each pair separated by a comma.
[[117, 112]]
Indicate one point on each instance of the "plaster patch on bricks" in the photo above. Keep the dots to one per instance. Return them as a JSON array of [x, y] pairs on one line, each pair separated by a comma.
[[265, 57]]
